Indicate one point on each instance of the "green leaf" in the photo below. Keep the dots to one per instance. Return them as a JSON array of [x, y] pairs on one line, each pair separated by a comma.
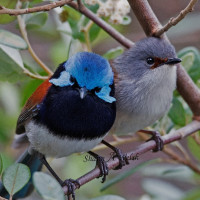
[[168, 171], [109, 197], [36, 20], [11, 64], [72, 14], [113, 53], [76, 32], [162, 189], [177, 113], [188, 60], [29, 88], [192, 195], [191, 61], [15, 177], [126, 174], [94, 32], [1, 165], [33, 2], [76, 22], [9, 39], [194, 147], [47, 186], [5, 19]]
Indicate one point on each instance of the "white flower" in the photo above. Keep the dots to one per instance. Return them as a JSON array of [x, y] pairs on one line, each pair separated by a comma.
[[116, 19], [116, 9], [123, 7]]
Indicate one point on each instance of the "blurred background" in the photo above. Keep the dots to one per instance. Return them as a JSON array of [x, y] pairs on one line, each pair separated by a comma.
[[160, 180]]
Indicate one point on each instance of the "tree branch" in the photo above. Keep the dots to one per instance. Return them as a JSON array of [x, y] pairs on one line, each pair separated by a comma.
[[189, 91], [143, 148], [47, 7], [145, 16], [105, 26], [185, 85], [173, 21]]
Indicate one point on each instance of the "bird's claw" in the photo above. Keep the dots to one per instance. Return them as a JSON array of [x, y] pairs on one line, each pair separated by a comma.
[[123, 160], [159, 141], [71, 185], [101, 163]]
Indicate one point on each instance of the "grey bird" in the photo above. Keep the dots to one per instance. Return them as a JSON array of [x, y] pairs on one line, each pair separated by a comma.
[[145, 78]]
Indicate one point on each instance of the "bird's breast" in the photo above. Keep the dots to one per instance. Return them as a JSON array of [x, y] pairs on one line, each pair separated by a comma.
[[65, 114], [141, 103]]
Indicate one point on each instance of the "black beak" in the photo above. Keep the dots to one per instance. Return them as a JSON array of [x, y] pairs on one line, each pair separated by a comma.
[[173, 61]]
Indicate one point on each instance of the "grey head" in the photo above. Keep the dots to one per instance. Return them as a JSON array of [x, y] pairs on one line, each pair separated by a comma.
[[146, 75], [147, 55]]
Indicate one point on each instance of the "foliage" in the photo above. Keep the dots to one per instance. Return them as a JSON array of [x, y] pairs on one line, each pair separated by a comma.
[[66, 31], [15, 178], [47, 186]]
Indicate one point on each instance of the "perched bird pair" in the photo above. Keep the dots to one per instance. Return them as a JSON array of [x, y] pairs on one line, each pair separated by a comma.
[[73, 110]]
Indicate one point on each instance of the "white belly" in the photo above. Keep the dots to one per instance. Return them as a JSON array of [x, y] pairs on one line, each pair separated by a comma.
[[46, 143]]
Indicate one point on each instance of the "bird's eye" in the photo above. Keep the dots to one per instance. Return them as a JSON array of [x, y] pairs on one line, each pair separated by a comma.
[[97, 89], [75, 83], [150, 60], [72, 79]]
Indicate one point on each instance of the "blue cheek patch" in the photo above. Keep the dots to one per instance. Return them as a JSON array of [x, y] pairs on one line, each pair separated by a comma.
[[63, 80], [105, 94]]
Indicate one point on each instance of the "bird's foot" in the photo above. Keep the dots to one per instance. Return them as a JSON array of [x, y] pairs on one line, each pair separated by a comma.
[[159, 141], [101, 163], [71, 185], [123, 160]]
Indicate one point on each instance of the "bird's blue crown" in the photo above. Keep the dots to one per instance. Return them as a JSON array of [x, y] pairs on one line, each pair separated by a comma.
[[90, 70]]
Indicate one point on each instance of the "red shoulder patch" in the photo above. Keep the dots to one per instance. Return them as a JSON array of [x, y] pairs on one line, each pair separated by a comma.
[[30, 108], [38, 95]]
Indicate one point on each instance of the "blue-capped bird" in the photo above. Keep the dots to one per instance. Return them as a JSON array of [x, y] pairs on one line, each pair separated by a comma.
[[70, 112]]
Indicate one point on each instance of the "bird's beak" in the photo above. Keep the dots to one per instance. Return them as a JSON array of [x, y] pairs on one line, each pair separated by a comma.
[[172, 61], [83, 92]]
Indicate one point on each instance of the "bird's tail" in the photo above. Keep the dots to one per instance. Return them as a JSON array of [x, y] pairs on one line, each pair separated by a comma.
[[35, 165]]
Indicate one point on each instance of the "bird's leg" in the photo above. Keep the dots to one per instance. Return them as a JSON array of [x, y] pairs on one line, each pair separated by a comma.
[[44, 161], [101, 163], [157, 138], [123, 160], [70, 183]]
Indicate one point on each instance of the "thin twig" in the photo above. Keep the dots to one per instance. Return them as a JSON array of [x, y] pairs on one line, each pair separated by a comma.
[[175, 20], [47, 7], [143, 148], [22, 28], [177, 158], [183, 151], [196, 138], [86, 31], [105, 26], [35, 76], [109, 29]]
